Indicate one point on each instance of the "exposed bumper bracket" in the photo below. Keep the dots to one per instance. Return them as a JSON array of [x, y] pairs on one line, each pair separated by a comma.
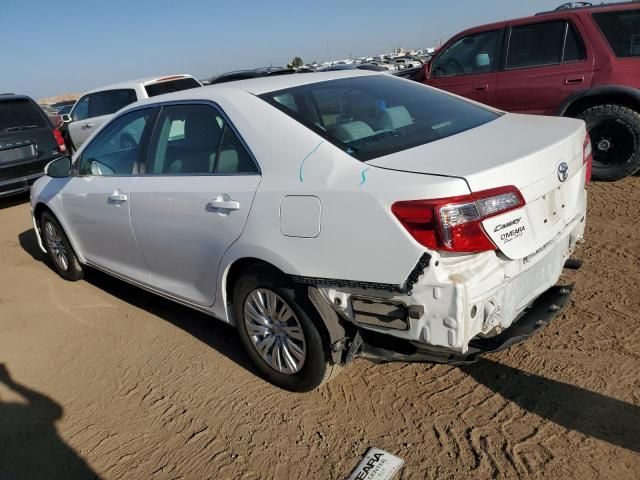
[[383, 348]]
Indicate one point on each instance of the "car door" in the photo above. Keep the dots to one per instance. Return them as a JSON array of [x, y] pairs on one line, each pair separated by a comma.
[[78, 126], [193, 201], [97, 201], [546, 62], [468, 66]]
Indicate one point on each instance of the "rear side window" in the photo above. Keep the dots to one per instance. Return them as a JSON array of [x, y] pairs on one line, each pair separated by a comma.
[[622, 31], [476, 53], [536, 45], [171, 86], [110, 101], [20, 114], [372, 116], [196, 140]]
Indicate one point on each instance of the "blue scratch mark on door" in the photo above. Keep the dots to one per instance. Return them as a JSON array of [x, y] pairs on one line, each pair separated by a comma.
[[305, 159], [364, 177]]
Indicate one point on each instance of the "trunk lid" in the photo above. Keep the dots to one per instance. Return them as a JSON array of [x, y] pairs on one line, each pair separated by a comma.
[[541, 156]]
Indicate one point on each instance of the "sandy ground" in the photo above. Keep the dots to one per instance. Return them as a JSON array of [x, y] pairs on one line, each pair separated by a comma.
[[102, 379]]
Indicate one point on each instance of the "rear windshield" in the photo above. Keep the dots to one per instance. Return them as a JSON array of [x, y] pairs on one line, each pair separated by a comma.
[[373, 116], [622, 31], [171, 86], [20, 114]]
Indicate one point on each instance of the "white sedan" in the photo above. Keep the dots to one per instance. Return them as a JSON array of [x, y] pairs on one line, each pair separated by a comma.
[[329, 216]]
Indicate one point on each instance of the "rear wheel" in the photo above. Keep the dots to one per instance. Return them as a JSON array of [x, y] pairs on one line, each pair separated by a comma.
[[276, 329], [59, 249], [615, 140]]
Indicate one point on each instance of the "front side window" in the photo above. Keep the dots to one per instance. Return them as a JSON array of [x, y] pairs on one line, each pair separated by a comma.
[[196, 140], [81, 109], [622, 31], [110, 101], [117, 149], [377, 115], [473, 54]]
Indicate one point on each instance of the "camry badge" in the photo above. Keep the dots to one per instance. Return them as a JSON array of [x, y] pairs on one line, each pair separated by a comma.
[[563, 171]]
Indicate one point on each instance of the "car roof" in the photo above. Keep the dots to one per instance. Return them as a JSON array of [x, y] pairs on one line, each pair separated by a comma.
[[138, 82], [257, 86], [607, 7]]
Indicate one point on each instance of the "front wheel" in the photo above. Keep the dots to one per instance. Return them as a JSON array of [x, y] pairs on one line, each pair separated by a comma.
[[276, 329], [615, 140], [59, 249]]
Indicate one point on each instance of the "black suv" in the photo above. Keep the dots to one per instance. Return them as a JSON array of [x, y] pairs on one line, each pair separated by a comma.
[[28, 142]]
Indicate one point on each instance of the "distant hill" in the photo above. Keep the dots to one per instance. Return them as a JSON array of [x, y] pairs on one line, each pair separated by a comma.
[[66, 97]]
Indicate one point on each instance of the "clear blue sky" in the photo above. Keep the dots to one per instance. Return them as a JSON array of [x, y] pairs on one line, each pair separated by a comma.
[[51, 48]]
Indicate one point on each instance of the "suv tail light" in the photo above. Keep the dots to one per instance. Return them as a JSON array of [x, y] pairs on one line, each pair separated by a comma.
[[587, 157], [59, 140], [454, 224]]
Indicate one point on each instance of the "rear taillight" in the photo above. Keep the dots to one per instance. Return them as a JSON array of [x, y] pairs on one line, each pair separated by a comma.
[[587, 157], [59, 140], [454, 224]]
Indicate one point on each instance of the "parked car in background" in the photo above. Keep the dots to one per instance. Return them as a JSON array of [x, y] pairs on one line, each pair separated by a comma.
[[97, 106], [445, 241], [251, 73], [28, 141], [64, 109], [54, 115], [575, 62]]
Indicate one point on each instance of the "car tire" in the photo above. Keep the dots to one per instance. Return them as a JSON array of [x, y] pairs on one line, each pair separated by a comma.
[[280, 352], [615, 140], [59, 249]]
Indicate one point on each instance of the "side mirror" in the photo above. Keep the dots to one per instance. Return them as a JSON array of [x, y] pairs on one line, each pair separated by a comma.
[[66, 118], [59, 168]]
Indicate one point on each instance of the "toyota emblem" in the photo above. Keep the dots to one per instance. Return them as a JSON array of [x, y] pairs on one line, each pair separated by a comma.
[[563, 171]]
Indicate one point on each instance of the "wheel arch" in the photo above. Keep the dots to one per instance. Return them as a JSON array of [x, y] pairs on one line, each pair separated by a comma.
[[38, 210], [610, 94]]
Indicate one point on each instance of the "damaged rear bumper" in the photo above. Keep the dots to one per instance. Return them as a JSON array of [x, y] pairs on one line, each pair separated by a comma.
[[380, 348]]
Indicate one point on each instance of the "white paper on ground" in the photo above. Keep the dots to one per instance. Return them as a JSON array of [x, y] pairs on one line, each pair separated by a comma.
[[377, 465]]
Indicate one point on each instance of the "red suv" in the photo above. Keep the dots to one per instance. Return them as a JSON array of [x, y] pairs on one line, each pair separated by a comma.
[[580, 62]]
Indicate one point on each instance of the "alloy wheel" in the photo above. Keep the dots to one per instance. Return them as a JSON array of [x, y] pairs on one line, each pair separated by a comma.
[[275, 331], [56, 246]]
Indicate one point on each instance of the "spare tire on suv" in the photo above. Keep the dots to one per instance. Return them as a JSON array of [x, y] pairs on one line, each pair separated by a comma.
[[615, 139]]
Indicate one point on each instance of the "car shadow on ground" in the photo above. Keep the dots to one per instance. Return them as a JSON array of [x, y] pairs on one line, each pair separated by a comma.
[[218, 335], [30, 446], [569, 406], [13, 200]]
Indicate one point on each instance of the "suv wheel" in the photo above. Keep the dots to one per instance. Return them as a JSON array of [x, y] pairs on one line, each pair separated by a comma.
[[59, 249], [275, 326], [615, 138]]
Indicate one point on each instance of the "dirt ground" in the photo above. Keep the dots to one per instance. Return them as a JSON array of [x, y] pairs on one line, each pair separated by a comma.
[[98, 378]]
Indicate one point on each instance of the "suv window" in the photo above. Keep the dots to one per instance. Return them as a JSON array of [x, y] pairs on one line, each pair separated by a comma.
[[372, 116], [81, 109], [110, 101], [116, 150], [20, 114], [196, 140], [473, 54], [161, 88], [547, 43], [622, 31]]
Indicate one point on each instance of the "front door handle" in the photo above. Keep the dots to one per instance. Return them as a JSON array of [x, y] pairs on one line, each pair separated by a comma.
[[88, 125], [224, 202], [481, 88], [573, 81], [118, 197]]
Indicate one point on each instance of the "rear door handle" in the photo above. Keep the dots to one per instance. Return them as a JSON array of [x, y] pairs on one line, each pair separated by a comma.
[[118, 197], [88, 125], [224, 202], [573, 81], [481, 88]]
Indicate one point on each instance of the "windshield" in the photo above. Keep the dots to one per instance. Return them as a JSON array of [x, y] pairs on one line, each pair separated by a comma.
[[373, 116], [171, 86], [20, 114]]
